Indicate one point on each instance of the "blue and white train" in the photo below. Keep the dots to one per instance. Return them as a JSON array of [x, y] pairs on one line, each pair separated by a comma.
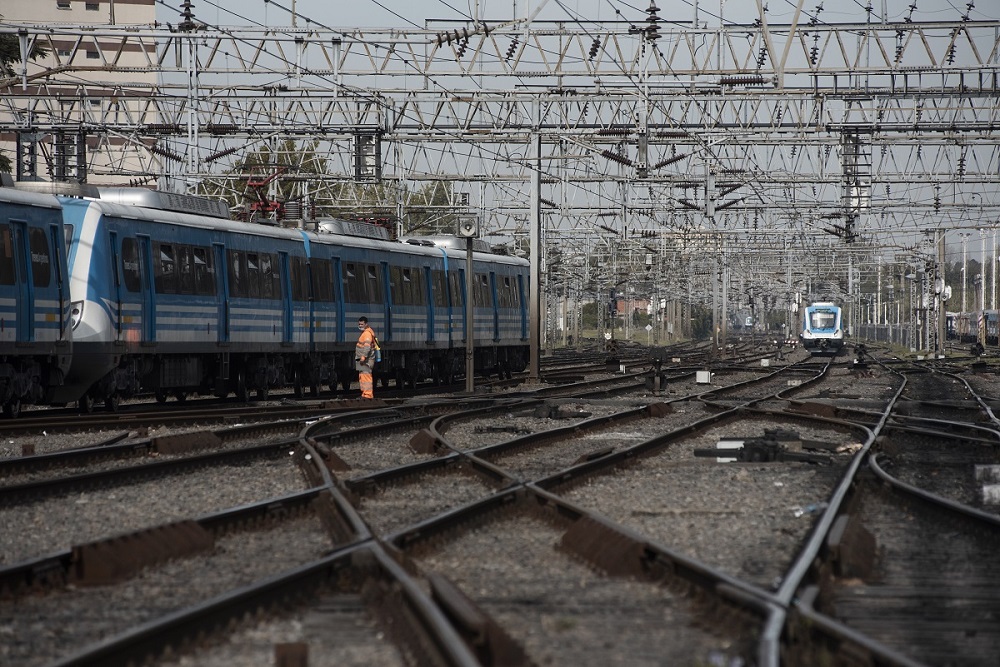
[[822, 328], [173, 302], [35, 341]]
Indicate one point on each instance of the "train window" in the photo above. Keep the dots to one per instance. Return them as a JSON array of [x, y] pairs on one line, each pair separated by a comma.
[[166, 270], [455, 280], [300, 279], [420, 287], [440, 288], [204, 271], [68, 237], [322, 281], [6, 256], [253, 275], [512, 291], [396, 285], [275, 277], [481, 290], [374, 286], [41, 259], [130, 265], [503, 292], [413, 287], [237, 273], [409, 298], [185, 270], [267, 276], [822, 320], [350, 284]]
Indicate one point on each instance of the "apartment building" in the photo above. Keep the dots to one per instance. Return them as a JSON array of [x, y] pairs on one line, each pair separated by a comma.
[[74, 107]]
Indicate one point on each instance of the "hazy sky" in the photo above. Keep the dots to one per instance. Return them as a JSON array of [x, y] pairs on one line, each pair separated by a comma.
[[413, 13]]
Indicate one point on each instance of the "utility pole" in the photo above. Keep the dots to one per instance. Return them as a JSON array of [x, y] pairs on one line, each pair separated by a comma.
[[470, 324], [939, 287], [535, 244]]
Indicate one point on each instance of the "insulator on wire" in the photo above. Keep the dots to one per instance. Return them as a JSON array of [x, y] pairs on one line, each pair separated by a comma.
[[170, 155], [614, 131], [187, 17], [652, 22], [615, 157], [742, 80], [512, 49], [669, 161], [221, 154]]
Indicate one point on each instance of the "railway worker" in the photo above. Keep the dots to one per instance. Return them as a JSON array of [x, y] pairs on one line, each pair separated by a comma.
[[364, 358]]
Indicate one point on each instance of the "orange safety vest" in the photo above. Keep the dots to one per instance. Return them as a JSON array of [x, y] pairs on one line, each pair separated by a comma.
[[366, 344]]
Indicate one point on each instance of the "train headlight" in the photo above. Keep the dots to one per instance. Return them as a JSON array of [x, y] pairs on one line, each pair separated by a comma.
[[76, 313]]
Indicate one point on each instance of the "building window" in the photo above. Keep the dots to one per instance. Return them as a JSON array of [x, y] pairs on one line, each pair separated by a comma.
[[62, 4], [93, 6], [64, 53], [93, 55]]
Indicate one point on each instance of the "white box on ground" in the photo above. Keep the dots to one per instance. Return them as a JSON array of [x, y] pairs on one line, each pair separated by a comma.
[[703, 377], [728, 443], [991, 494]]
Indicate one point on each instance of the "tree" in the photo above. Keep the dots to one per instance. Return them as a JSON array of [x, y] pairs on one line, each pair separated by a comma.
[[430, 210], [10, 53], [267, 177]]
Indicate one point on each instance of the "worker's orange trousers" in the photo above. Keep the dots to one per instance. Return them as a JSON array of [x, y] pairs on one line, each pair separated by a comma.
[[367, 387]]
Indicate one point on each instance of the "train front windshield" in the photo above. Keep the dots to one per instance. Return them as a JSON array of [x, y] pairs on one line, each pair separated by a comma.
[[820, 319]]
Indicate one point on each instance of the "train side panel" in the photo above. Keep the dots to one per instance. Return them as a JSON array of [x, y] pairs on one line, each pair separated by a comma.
[[35, 325]]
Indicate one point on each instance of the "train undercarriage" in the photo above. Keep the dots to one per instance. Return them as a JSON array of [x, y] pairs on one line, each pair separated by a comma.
[[251, 375]]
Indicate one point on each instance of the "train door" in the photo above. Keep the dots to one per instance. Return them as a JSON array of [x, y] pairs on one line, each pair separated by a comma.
[[465, 296], [116, 288], [148, 298], [447, 299], [340, 296], [25, 306], [57, 242], [522, 307], [222, 289], [430, 309], [495, 303], [285, 276], [383, 295]]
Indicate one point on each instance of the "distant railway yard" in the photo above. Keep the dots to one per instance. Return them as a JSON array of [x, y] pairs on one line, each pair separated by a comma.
[[490, 334], [655, 508]]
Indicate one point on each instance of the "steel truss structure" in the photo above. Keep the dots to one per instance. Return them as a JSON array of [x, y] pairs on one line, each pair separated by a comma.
[[858, 138]]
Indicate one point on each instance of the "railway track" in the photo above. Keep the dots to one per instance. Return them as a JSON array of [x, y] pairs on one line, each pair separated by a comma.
[[572, 523]]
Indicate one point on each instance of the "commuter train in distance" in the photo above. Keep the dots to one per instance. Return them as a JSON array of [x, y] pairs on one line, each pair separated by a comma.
[[162, 294], [822, 328]]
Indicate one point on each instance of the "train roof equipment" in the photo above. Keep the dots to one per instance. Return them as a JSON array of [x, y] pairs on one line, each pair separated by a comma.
[[452, 242], [352, 228], [81, 190], [166, 201]]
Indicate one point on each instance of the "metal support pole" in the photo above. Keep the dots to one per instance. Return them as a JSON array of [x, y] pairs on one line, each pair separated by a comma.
[[534, 239], [993, 272], [470, 324], [939, 286]]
